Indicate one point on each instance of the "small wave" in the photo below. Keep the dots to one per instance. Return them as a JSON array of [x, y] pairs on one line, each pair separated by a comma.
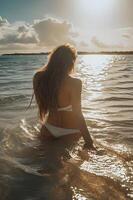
[[121, 106], [10, 99], [122, 88], [13, 83], [120, 151], [12, 162], [115, 99]]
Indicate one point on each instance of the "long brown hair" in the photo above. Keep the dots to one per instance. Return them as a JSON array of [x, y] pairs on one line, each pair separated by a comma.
[[60, 63]]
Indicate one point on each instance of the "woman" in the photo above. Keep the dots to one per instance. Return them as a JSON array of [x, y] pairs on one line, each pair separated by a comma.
[[58, 96]]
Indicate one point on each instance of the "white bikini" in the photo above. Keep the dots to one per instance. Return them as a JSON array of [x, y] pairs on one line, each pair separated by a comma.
[[58, 131]]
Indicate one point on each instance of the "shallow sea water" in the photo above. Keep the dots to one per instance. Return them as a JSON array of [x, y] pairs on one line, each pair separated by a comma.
[[107, 103]]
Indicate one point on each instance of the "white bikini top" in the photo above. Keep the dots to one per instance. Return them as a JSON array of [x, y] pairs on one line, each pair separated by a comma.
[[66, 108]]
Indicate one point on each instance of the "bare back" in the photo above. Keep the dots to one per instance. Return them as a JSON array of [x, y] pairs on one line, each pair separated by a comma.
[[66, 119]]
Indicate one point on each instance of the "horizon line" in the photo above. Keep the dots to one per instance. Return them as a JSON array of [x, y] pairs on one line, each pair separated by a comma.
[[78, 52]]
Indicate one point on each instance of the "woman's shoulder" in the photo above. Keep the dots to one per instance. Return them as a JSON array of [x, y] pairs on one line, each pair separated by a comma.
[[75, 82], [37, 76]]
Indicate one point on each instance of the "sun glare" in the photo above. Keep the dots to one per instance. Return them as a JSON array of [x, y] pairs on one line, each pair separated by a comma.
[[96, 64], [96, 8]]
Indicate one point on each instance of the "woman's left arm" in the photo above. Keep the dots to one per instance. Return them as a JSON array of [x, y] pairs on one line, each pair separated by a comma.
[[76, 104]]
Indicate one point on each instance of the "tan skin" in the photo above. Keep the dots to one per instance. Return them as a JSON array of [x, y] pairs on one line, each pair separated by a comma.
[[69, 94]]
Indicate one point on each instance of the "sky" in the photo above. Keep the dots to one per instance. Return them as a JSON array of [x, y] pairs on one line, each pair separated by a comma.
[[90, 25]]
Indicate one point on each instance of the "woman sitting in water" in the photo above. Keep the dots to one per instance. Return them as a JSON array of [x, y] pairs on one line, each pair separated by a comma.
[[58, 96]]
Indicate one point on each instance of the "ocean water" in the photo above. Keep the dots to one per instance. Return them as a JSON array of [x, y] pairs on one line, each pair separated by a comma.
[[30, 169]]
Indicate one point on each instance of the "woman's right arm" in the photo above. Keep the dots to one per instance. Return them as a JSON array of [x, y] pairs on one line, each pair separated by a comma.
[[76, 105]]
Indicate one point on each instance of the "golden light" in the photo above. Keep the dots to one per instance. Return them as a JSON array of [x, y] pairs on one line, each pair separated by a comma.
[[96, 8], [97, 64], [95, 70]]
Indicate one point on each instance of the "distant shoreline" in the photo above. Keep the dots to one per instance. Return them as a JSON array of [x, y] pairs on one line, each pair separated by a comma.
[[79, 53]]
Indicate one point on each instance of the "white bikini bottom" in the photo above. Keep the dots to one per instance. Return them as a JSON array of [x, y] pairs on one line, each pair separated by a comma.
[[58, 132]]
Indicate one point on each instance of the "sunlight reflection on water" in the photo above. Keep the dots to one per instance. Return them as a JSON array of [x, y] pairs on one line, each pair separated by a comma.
[[95, 69], [101, 76]]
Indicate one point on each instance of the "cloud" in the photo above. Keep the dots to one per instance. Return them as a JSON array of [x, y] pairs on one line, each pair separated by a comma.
[[98, 43], [3, 22], [16, 38], [114, 40], [52, 32], [127, 33], [12, 34], [44, 33]]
